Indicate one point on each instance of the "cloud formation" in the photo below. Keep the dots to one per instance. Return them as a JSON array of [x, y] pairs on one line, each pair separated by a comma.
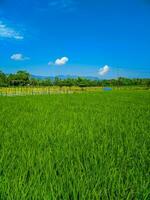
[[7, 32], [19, 57], [104, 70], [60, 61]]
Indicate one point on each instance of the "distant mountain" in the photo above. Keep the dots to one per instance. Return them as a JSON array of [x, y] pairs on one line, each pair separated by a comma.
[[39, 77], [64, 77]]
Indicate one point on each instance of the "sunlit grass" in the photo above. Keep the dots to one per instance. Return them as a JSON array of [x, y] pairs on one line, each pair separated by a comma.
[[10, 91], [37, 90], [75, 146]]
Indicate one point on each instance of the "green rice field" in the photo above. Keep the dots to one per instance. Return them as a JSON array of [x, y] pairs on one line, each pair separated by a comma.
[[88, 146]]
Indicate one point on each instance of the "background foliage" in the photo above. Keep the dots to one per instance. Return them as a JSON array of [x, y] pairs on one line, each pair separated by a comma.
[[23, 78]]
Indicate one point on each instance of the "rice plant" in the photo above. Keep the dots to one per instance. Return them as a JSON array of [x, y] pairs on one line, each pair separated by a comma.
[[75, 146]]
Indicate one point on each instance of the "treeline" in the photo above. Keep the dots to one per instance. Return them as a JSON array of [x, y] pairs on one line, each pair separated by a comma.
[[23, 78]]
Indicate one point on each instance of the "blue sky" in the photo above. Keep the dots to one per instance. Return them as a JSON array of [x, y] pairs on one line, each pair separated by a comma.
[[103, 38]]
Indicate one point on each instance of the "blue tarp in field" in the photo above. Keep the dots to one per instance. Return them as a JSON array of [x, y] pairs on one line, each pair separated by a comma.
[[107, 89]]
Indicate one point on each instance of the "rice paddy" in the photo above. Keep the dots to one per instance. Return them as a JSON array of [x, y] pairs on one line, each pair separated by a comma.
[[22, 91], [75, 146]]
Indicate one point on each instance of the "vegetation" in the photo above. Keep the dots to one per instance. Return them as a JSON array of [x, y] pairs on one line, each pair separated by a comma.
[[38, 90], [76, 146], [23, 78]]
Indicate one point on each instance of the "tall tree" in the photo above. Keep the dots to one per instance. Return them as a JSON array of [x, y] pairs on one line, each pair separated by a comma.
[[3, 79]]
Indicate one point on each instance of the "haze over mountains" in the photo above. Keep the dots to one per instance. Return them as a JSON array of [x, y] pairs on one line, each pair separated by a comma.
[[65, 77]]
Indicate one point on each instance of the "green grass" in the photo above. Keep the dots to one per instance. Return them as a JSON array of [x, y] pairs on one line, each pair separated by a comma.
[[75, 146]]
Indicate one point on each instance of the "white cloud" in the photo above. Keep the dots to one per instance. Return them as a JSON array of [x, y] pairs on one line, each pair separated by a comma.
[[19, 57], [60, 61], [104, 70], [7, 32]]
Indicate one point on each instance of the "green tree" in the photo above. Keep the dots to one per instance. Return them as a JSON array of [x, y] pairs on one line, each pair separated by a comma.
[[21, 78], [3, 79]]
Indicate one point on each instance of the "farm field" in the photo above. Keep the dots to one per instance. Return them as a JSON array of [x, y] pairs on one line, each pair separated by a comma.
[[15, 91], [75, 146], [22, 91]]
